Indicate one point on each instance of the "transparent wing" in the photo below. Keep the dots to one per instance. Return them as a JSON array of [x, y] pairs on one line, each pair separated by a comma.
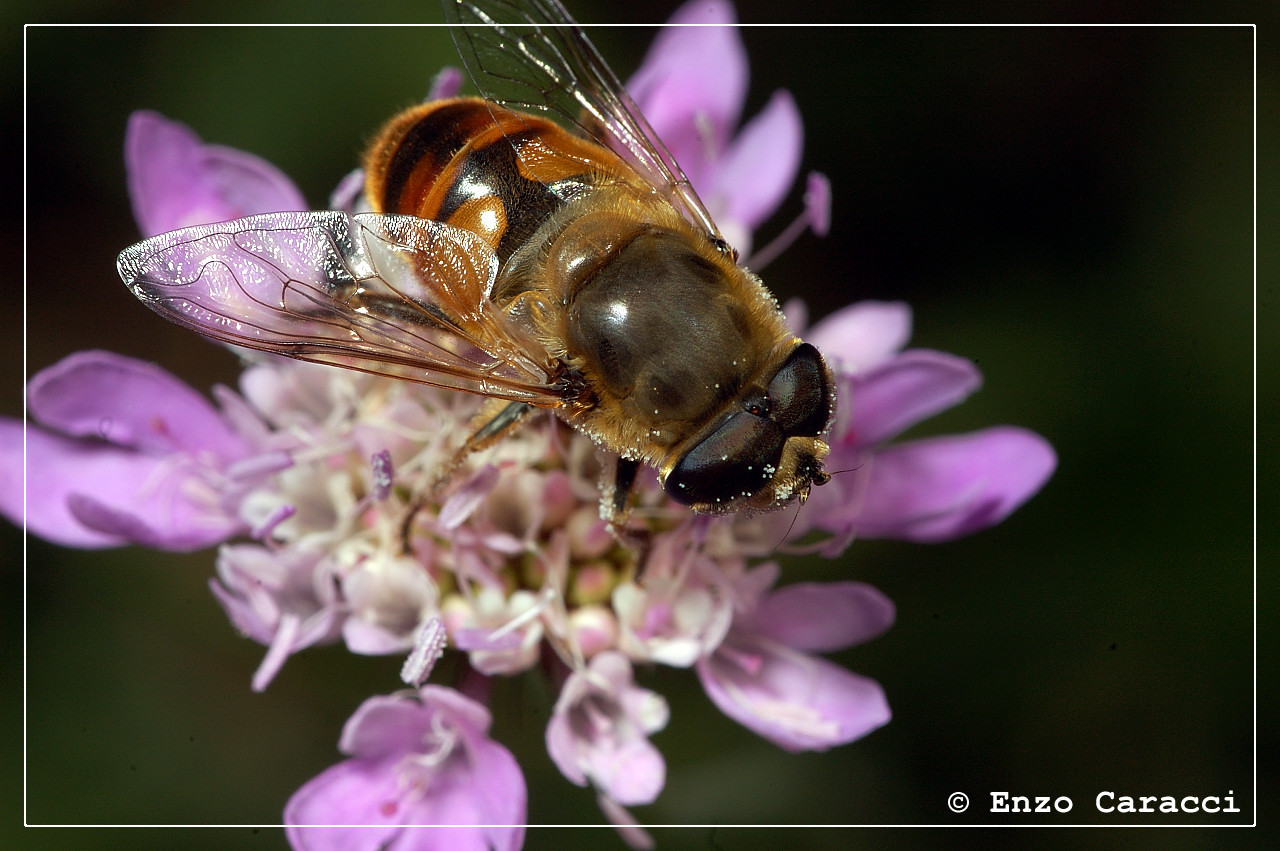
[[391, 295], [531, 56]]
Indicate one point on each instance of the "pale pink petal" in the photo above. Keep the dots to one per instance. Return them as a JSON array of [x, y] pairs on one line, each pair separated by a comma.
[[468, 498], [796, 701], [598, 732], [129, 403], [632, 773], [757, 169], [824, 616], [362, 792], [175, 180], [863, 335], [907, 389], [692, 83], [55, 465], [946, 487]]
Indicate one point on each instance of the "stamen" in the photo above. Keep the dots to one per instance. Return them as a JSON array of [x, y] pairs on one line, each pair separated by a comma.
[[816, 217], [749, 663], [281, 645], [428, 647], [259, 466], [625, 823], [262, 532], [544, 599], [437, 745], [445, 84], [383, 474]]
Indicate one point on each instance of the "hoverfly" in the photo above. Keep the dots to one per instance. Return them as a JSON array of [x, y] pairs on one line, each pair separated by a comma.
[[540, 247]]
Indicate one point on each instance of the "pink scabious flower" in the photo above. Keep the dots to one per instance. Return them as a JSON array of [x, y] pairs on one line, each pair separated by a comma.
[[321, 485]]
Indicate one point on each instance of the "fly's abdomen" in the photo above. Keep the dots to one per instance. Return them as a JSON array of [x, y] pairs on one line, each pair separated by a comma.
[[468, 163]]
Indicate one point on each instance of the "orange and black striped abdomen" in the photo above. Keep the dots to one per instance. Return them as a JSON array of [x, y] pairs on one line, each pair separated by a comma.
[[497, 173]]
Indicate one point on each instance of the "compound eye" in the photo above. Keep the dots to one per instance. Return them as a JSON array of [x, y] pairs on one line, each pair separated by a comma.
[[800, 393], [735, 461]]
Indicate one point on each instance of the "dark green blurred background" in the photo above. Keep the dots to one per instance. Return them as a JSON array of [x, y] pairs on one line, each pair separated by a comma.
[[1072, 208]]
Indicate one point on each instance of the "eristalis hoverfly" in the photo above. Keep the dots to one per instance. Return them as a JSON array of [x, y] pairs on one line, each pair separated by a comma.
[[563, 264]]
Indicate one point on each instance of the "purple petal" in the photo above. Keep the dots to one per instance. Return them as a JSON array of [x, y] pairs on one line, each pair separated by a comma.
[[796, 701], [796, 312], [163, 520], [693, 79], [824, 616], [56, 463], [175, 180], [632, 773], [361, 792], [913, 386], [468, 498], [83, 493], [129, 403], [562, 747], [862, 335], [500, 792], [248, 184], [943, 488], [756, 171], [387, 724]]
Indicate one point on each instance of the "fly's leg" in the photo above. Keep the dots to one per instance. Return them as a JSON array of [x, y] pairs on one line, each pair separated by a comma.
[[615, 509], [495, 421], [615, 495]]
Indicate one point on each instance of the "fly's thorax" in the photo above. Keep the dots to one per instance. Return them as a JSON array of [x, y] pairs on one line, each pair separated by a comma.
[[663, 325]]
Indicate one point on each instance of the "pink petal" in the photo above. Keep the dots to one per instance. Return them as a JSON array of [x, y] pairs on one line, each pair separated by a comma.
[[692, 76], [362, 793], [824, 616], [56, 464], [175, 180], [862, 335], [129, 403], [911, 387], [758, 168], [83, 493], [562, 747], [943, 488], [796, 701], [468, 498], [389, 723], [631, 774]]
